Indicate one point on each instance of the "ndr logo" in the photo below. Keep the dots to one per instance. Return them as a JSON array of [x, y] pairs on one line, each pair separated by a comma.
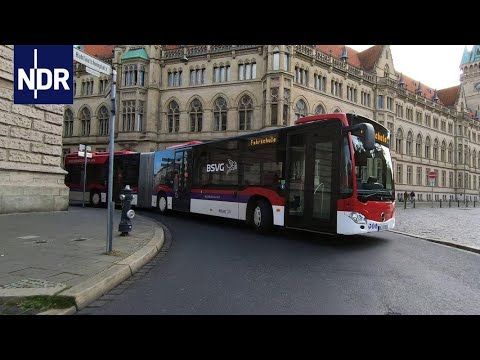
[[43, 74]]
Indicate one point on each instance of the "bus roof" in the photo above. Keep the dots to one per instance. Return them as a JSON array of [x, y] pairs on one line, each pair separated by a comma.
[[189, 143], [312, 118], [97, 158]]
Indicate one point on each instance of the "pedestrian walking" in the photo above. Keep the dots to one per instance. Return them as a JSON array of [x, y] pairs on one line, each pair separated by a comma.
[[412, 197]]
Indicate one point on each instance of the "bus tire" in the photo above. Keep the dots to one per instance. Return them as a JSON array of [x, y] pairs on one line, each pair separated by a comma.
[[162, 203], [262, 217], [95, 199]]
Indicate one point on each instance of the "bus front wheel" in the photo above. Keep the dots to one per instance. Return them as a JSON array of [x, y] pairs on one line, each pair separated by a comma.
[[162, 203], [262, 217]]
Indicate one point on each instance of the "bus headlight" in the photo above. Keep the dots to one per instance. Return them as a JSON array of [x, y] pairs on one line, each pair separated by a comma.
[[357, 218]]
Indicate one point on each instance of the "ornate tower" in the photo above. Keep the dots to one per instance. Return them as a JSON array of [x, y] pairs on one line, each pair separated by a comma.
[[470, 77]]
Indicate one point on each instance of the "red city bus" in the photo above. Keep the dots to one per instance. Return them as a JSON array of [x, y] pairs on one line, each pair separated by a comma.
[[327, 173]]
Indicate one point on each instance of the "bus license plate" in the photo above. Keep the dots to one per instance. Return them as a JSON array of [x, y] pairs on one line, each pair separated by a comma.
[[382, 227]]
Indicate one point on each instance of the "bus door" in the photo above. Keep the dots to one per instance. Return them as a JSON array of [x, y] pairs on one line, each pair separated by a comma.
[[311, 178], [182, 180]]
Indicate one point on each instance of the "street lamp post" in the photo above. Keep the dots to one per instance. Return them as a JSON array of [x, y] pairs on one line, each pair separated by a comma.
[[464, 182]]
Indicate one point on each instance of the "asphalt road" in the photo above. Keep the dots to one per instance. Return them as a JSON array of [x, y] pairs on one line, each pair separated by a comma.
[[216, 266]]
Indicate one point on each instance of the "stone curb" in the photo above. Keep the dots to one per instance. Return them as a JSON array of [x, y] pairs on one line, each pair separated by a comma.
[[442, 242], [99, 284]]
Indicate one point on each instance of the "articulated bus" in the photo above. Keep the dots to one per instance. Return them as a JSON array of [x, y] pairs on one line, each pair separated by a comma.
[[329, 173]]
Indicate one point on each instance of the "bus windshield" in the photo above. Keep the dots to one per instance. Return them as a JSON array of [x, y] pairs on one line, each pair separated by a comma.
[[374, 172]]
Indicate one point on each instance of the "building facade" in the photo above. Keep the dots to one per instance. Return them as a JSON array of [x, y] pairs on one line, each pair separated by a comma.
[[31, 178], [470, 78], [172, 94]]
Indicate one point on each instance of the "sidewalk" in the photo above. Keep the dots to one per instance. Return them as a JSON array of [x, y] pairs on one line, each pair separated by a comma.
[[63, 253], [456, 226]]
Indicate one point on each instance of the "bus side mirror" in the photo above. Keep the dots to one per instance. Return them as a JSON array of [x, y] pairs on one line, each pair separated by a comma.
[[368, 133]]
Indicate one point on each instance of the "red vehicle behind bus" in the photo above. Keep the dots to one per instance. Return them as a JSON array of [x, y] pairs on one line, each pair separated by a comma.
[[126, 171]]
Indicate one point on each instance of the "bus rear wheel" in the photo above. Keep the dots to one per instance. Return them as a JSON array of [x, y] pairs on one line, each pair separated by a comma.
[[95, 199], [162, 203], [262, 217]]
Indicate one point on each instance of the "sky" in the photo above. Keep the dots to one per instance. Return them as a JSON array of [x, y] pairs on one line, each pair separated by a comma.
[[436, 66]]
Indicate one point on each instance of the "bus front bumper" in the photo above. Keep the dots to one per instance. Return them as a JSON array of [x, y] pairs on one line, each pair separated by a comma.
[[348, 226]]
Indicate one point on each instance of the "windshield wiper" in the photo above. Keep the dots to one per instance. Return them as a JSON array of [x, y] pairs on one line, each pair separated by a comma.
[[387, 195]]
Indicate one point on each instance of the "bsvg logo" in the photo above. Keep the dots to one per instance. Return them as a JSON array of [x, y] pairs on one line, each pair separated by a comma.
[[43, 74]]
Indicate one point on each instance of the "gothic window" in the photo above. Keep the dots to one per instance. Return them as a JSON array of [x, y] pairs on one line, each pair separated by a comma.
[[196, 116], [245, 112], [68, 123], [220, 114]]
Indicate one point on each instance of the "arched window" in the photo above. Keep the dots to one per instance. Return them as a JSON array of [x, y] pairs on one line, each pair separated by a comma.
[[418, 146], [85, 118], [409, 143], [68, 123], [300, 109], [427, 148], [245, 112], [173, 117], [442, 151], [435, 149], [220, 114], [398, 142], [450, 153], [287, 59], [276, 58], [103, 121], [286, 106], [128, 115], [196, 116], [141, 76], [319, 110]]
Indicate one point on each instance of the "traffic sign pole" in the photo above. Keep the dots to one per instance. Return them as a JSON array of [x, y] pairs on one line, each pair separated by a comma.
[[110, 202], [84, 178], [432, 175], [84, 151], [96, 67]]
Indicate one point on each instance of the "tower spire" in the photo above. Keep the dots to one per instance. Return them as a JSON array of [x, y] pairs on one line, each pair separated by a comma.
[[344, 56], [401, 82]]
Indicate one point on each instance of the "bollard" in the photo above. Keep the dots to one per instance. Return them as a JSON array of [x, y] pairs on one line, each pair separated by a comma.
[[405, 203], [473, 203], [449, 202], [125, 225], [466, 202], [414, 203], [458, 203], [440, 203]]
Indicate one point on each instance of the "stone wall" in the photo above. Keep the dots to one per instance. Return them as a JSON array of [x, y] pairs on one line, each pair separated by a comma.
[[31, 178]]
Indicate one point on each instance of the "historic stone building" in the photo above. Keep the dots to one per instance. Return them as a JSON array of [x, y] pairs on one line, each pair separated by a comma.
[[31, 178], [171, 94]]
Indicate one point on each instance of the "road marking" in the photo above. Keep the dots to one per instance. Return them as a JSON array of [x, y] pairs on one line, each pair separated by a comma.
[[28, 237]]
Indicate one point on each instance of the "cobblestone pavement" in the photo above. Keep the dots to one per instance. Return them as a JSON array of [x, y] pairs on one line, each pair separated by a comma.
[[457, 225]]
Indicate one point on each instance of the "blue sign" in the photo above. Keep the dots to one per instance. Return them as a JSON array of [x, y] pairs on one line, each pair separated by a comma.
[[43, 74]]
